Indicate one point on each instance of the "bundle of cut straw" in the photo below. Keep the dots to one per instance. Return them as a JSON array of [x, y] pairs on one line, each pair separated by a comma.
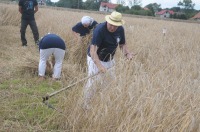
[[32, 66], [79, 55]]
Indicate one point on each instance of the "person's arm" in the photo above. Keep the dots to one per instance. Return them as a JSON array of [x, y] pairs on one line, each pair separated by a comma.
[[36, 9], [20, 9], [125, 51], [77, 35], [94, 24], [77, 31], [20, 6], [95, 58]]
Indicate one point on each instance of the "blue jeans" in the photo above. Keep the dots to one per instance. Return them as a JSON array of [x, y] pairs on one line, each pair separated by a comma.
[[33, 26]]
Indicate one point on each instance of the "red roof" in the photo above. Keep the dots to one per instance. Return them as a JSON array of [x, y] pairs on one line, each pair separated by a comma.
[[109, 5], [164, 11], [145, 8], [196, 16]]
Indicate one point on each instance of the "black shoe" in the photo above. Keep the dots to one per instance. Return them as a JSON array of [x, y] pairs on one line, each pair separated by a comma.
[[24, 45], [37, 42]]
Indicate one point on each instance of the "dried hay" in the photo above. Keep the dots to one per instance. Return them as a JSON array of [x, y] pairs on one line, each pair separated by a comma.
[[5, 73], [31, 66], [79, 52], [10, 16]]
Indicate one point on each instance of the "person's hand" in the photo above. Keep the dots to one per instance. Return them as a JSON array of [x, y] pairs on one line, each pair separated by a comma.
[[102, 69], [129, 56]]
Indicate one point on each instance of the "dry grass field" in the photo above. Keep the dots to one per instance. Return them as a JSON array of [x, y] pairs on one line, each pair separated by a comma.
[[159, 90]]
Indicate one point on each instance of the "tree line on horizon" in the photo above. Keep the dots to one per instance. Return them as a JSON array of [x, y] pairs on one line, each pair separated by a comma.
[[183, 10]]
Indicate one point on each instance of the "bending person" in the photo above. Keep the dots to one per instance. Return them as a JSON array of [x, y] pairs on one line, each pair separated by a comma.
[[51, 44], [106, 38], [83, 28]]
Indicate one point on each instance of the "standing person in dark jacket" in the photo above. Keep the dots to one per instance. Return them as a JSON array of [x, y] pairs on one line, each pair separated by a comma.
[[83, 28], [28, 8], [51, 44]]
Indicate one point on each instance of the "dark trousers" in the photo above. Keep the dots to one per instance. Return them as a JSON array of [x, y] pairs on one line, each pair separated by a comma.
[[33, 26]]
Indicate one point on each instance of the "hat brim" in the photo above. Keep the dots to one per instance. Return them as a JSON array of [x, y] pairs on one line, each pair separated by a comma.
[[114, 22]]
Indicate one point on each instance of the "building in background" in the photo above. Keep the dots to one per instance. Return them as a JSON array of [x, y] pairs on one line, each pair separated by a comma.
[[164, 13], [107, 7], [42, 2], [196, 17]]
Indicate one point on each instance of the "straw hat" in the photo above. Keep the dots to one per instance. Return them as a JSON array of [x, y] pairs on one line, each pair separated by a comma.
[[115, 19]]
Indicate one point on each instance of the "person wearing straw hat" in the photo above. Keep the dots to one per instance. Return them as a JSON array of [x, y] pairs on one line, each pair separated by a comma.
[[105, 40], [51, 44], [83, 28]]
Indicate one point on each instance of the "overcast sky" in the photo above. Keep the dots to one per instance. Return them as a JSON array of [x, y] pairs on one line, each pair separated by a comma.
[[167, 3]]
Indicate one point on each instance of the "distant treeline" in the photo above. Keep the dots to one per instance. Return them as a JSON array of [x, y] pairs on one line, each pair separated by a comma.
[[184, 10]]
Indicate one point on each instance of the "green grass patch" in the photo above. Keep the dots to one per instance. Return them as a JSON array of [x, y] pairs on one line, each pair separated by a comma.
[[25, 101], [4, 85], [34, 113], [10, 84]]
